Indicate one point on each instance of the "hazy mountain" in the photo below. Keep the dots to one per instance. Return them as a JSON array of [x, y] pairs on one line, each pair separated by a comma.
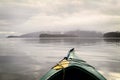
[[28, 35], [31, 35], [76, 33], [85, 33]]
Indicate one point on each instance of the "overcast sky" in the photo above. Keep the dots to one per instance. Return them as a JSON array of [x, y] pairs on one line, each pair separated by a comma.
[[24, 16]]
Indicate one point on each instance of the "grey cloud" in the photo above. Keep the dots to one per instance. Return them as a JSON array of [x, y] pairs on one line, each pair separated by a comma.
[[108, 7], [14, 15], [18, 12]]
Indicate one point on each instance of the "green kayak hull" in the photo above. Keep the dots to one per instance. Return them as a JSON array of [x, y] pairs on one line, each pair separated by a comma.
[[72, 68]]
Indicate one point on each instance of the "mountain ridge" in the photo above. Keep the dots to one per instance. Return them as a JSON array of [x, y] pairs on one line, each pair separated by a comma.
[[74, 33]]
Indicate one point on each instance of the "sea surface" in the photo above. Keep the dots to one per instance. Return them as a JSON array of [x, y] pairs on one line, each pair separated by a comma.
[[29, 59]]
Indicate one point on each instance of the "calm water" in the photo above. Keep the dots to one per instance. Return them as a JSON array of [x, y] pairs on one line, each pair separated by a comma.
[[29, 59]]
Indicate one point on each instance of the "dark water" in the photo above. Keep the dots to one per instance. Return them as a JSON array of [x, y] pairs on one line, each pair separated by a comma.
[[29, 59]]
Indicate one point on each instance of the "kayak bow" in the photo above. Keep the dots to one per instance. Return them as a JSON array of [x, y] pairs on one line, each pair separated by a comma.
[[72, 68]]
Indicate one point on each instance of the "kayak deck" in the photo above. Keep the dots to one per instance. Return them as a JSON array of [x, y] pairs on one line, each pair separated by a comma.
[[72, 68]]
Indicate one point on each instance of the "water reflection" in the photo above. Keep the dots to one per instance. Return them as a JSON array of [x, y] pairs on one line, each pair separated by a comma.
[[70, 41], [112, 40], [95, 51], [28, 59]]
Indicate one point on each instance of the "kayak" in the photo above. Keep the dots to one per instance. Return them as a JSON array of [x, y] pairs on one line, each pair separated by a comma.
[[72, 68]]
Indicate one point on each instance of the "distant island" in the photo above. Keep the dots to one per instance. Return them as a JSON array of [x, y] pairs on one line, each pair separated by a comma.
[[57, 35], [27, 35], [112, 35], [74, 33], [12, 36]]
